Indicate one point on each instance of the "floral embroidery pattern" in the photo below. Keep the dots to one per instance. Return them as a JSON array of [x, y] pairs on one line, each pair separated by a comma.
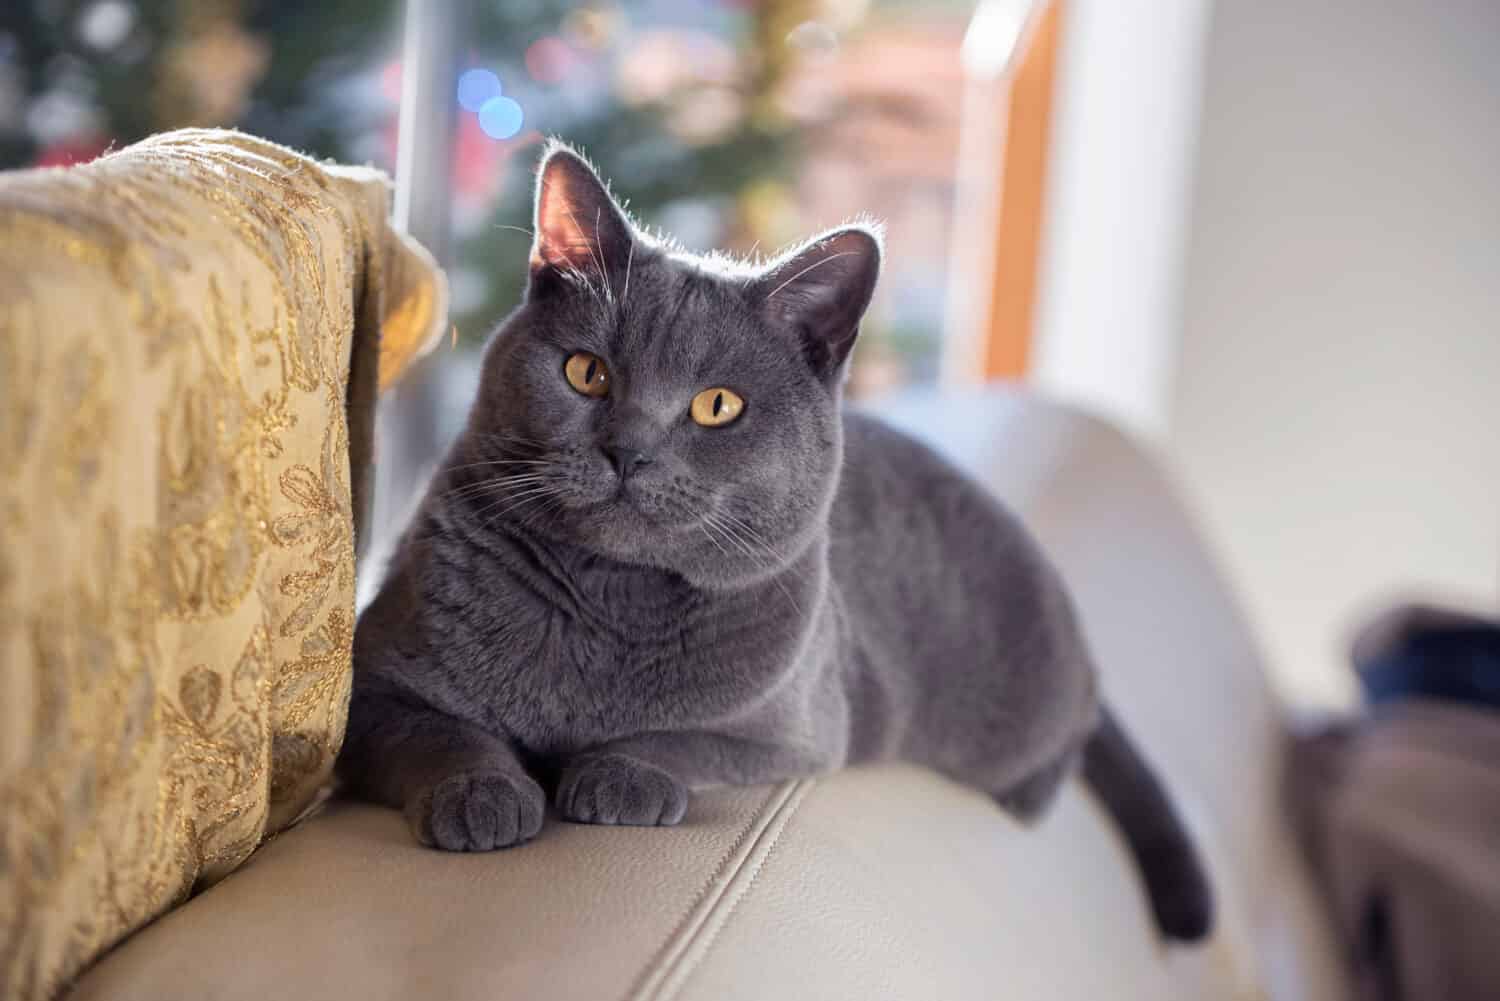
[[176, 529]]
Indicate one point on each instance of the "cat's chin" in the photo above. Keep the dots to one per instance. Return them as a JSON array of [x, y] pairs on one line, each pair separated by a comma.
[[623, 528], [636, 526]]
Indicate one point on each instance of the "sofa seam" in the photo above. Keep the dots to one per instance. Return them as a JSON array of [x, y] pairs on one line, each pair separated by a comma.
[[729, 914], [697, 943], [721, 875]]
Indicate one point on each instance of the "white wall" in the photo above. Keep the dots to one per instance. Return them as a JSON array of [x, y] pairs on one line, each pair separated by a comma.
[[1118, 190], [1337, 394]]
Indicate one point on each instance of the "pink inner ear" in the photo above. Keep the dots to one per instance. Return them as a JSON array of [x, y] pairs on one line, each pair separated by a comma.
[[562, 236]]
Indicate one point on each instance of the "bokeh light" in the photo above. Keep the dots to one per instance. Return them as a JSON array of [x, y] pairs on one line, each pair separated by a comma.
[[595, 27], [550, 59], [390, 81], [500, 118], [104, 25], [477, 86], [814, 39]]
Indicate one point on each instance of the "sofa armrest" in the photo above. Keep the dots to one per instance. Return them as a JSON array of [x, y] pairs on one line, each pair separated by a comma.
[[872, 883], [882, 882]]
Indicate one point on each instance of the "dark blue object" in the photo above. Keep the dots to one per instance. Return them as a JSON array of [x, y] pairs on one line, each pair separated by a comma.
[[1461, 663]]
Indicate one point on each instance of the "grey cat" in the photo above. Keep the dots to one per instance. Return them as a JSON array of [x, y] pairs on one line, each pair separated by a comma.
[[662, 557]]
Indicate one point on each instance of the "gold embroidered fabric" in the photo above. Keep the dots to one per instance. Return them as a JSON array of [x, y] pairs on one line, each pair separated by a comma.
[[188, 338]]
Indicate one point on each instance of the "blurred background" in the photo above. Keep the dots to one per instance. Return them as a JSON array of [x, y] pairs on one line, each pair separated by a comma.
[[1262, 234]]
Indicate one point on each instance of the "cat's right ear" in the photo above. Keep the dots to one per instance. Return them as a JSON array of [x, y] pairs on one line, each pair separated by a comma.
[[580, 233]]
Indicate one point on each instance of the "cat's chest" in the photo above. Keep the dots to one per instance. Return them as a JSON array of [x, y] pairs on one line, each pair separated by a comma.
[[562, 655], [602, 650], [574, 663], [581, 679]]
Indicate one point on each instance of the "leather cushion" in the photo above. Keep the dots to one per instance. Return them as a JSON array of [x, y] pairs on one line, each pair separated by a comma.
[[873, 883]]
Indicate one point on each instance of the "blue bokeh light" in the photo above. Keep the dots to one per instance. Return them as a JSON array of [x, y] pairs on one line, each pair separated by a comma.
[[476, 87], [500, 117]]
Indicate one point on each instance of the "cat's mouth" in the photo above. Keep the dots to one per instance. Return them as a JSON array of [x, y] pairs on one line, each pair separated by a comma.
[[625, 500], [625, 516], [630, 496]]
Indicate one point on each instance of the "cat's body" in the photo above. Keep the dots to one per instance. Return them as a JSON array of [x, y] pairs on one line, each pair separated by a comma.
[[780, 594], [809, 668]]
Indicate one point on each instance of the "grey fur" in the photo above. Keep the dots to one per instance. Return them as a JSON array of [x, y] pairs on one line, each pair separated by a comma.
[[799, 590]]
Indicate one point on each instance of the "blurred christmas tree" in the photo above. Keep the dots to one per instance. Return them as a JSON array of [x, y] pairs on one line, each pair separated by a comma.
[[674, 98], [79, 76]]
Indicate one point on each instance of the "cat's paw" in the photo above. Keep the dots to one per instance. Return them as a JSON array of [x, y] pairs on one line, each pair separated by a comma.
[[617, 789], [478, 812]]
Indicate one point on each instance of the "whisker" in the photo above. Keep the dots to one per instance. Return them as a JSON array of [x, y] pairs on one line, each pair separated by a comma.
[[548, 507], [717, 544], [726, 527], [511, 502], [497, 462], [737, 541], [598, 215], [540, 503], [493, 487], [810, 267], [738, 544], [511, 439], [578, 277], [515, 479], [734, 538], [509, 435], [598, 261], [748, 528], [743, 530], [629, 258]]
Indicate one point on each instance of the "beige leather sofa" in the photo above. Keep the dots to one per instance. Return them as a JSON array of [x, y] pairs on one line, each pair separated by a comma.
[[884, 883]]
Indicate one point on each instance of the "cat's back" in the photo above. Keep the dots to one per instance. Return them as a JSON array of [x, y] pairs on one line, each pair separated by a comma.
[[940, 580], [898, 492], [908, 526]]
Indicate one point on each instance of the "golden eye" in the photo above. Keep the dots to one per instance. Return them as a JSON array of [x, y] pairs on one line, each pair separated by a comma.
[[587, 374], [713, 408]]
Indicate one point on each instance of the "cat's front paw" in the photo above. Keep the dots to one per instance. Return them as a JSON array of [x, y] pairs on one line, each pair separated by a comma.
[[618, 789], [478, 811]]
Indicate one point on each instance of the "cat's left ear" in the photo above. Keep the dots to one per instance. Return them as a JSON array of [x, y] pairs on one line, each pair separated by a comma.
[[822, 291], [579, 228]]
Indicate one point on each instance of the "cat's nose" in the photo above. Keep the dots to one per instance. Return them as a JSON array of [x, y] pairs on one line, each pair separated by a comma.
[[625, 460]]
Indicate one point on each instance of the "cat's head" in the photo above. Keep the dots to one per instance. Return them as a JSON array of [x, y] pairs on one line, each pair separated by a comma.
[[665, 409]]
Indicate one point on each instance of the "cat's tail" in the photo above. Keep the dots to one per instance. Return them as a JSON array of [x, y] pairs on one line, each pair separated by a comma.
[[1176, 880]]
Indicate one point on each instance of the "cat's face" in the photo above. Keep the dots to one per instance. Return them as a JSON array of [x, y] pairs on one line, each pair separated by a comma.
[[665, 410]]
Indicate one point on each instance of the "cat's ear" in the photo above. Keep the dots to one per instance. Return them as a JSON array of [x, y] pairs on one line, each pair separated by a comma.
[[822, 291], [579, 230]]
